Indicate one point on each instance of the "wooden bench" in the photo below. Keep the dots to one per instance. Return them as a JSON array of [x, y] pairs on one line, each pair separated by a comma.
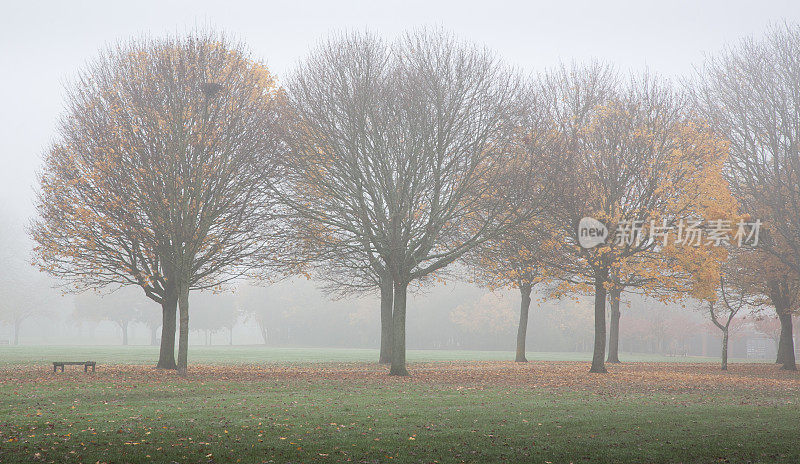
[[85, 364]]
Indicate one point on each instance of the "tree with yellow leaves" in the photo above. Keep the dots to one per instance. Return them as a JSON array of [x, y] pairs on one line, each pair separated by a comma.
[[159, 176], [639, 164], [518, 258]]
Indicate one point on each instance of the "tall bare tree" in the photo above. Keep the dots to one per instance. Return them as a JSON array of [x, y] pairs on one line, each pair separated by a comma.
[[159, 177], [337, 99], [399, 151], [27, 294], [751, 93]]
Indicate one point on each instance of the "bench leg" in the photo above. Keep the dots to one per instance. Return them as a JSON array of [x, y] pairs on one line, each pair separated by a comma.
[[54, 368], [62, 368]]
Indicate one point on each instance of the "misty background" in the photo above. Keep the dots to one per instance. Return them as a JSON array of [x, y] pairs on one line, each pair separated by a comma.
[[44, 45]]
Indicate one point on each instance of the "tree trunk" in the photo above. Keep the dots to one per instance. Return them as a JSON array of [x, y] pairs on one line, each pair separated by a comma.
[[230, 336], [613, 336], [169, 307], [704, 341], [795, 321], [183, 335], [598, 365], [386, 321], [153, 335], [263, 332], [17, 324], [780, 295], [781, 338], [124, 327], [725, 349], [399, 331], [786, 344], [522, 330]]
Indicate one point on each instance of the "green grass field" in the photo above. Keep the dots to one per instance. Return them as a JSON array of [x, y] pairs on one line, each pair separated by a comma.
[[138, 354], [275, 405]]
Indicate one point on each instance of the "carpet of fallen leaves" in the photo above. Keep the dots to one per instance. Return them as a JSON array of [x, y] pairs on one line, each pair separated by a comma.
[[628, 378]]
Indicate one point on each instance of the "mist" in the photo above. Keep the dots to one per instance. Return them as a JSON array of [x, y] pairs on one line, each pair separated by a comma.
[[44, 48], [420, 231]]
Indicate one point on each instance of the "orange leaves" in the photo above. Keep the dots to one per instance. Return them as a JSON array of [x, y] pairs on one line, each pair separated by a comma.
[[657, 172], [147, 158], [557, 375]]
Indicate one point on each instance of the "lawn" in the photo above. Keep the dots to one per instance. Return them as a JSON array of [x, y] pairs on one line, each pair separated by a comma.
[[448, 411], [254, 354]]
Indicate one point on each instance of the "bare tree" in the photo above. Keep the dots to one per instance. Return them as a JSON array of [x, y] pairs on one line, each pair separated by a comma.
[[25, 297], [117, 305], [159, 176], [152, 319], [27, 294], [401, 150], [337, 98], [213, 313], [261, 305], [751, 93], [734, 296]]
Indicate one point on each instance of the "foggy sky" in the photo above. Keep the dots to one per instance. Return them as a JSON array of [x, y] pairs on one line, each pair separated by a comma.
[[43, 45]]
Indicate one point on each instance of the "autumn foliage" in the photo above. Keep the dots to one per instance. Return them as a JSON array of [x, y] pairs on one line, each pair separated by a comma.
[[159, 176]]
